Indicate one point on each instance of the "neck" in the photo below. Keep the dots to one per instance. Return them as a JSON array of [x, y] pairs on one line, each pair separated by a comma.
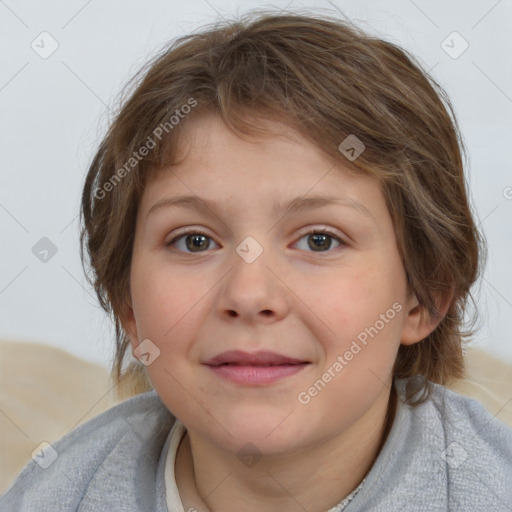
[[286, 483]]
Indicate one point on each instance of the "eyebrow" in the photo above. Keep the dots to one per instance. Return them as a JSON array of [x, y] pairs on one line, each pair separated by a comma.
[[295, 205]]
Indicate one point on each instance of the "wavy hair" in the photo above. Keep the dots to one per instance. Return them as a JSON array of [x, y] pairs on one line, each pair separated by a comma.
[[327, 79]]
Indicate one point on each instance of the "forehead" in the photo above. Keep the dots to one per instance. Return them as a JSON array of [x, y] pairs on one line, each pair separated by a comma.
[[280, 162], [241, 184]]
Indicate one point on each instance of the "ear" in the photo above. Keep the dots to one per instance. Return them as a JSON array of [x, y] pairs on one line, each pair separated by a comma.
[[419, 323], [129, 324]]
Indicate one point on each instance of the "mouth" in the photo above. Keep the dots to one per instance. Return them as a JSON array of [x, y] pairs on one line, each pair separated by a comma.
[[261, 358], [257, 365], [257, 369]]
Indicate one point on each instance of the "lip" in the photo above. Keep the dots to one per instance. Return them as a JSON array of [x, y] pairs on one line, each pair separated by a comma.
[[256, 369], [257, 375], [263, 357]]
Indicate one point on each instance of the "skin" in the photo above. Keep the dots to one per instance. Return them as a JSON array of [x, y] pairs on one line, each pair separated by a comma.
[[293, 299]]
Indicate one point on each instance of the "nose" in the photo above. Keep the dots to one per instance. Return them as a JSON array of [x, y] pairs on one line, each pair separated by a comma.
[[253, 290]]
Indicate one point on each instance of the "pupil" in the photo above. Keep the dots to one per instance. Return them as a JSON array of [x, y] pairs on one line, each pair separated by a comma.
[[321, 238], [197, 240]]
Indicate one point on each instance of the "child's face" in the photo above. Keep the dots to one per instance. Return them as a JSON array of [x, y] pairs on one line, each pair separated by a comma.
[[305, 297]]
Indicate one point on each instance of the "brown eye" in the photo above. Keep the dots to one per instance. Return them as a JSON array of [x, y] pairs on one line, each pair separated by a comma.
[[320, 241], [192, 242]]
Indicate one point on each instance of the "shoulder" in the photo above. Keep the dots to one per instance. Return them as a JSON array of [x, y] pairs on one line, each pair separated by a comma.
[[467, 419], [86, 464], [474, 448]]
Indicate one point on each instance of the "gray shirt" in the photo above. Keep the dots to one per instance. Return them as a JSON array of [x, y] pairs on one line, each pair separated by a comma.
[[447, 454]]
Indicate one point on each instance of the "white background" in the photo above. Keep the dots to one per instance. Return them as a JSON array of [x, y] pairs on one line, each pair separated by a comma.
[[54, 111]]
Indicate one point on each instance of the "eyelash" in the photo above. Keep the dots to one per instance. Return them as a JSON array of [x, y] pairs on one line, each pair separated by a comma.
[[192, 231]]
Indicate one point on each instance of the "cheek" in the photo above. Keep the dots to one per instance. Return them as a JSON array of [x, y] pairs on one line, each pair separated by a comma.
[[344, 298], [355, 305], [160, 297], [169, 310]]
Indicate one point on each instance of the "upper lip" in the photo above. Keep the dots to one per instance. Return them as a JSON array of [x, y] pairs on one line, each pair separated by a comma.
[[257, 358]]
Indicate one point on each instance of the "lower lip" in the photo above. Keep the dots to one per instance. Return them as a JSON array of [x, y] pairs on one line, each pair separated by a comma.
[[257, 375]]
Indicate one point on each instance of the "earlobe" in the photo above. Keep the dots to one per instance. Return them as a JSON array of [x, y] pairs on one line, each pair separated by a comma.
[[419, 322], [415, 326]]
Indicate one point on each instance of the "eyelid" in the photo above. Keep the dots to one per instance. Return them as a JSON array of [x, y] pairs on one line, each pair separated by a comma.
[[324, 230], [188, 231]]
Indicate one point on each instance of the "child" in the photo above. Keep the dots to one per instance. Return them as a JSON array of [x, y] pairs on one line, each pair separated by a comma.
[[278, 221]]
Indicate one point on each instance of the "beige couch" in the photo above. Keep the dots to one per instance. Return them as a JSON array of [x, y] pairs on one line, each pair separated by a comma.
[[46, 392]]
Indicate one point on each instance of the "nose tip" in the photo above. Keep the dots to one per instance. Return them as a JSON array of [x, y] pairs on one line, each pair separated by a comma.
[[251, 289]]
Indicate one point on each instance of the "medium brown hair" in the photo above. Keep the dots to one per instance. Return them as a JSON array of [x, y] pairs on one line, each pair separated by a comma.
[[327, 79]]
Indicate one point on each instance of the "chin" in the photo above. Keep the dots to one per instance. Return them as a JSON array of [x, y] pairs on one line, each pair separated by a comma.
[[271, 435]]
